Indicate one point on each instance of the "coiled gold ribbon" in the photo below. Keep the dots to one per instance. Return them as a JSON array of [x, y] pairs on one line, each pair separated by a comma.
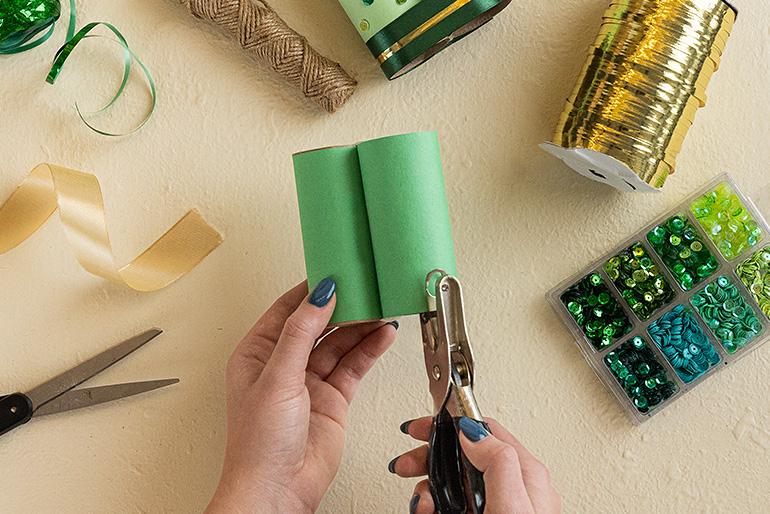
[[645, 78], [78, 198]]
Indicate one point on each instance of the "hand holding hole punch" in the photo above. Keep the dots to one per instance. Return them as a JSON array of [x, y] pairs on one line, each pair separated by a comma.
[[287, 402], [516, 481]]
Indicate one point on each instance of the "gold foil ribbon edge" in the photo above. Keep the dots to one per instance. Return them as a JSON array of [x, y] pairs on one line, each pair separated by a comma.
[[427, 25], [78, 198]]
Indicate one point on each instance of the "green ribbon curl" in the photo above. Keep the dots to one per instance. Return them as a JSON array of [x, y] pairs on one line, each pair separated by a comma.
[[128, 57], [23, 44]]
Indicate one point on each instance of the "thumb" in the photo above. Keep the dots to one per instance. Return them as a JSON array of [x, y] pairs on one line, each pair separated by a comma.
[[499, 462], [301, 331]]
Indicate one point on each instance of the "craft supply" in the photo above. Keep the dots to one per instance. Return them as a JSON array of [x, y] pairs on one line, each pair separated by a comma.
[[637, 96], [59, 393], [730, 318], [639, 281], [684, 343], [455, 484], [23, 20], [726, 221], [78, 198], [596, 312], [642, 376], [755, 275], [63, 54], [374, 217], [654, 277], [403, 34], [677, 243], [264, 35]]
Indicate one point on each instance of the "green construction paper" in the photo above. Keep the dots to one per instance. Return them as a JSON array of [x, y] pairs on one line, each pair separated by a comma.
[[375, 218], [335, 230], [408, 217]]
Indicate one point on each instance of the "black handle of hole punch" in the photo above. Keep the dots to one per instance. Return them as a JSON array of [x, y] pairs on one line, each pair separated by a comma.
[[456, 486], [15, 410]]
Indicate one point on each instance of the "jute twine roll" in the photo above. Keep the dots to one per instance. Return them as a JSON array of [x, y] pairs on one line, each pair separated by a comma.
[[262, 33]]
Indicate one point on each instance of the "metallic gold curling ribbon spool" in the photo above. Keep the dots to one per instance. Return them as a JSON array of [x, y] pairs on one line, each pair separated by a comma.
[[645, 78], [78, 198]]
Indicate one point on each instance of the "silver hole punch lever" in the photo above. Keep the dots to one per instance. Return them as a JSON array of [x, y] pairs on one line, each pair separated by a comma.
[[456, 486]]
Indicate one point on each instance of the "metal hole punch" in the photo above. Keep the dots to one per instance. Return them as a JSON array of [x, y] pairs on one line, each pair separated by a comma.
[[456, 486]]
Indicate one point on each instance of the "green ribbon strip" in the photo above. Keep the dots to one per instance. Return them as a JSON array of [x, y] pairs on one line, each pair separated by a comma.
[[374, 217], [22, 44], [128, 56]]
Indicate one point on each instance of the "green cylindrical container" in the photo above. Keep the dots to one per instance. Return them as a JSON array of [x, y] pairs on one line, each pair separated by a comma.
[[402, 34]]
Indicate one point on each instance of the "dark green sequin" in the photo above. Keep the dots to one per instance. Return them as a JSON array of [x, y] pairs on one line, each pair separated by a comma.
[[730, 318], [684, 343], [755, 275], [679, 245], [597, 313], [639, 281], [642, 376], [727, 221]]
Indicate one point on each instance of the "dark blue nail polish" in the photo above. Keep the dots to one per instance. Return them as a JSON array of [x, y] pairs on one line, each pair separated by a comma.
[[414, 503], [395, 324], [472, 429], [323, 292], [405, 427], [392, 466]]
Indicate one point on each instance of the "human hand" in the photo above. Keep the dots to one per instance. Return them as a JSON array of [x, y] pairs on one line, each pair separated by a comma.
[[287, 403], [515, 481]]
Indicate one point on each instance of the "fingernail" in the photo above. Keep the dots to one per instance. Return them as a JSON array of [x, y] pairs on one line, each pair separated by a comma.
[[392, 466], [405, 427], [395, 324], [472, 429], [323, 292], [414, 503]]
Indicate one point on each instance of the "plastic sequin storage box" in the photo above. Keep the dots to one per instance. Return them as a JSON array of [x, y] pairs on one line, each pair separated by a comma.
[[685, 297]]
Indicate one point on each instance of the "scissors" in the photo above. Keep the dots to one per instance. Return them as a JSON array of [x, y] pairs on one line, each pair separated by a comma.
[[59, 393]]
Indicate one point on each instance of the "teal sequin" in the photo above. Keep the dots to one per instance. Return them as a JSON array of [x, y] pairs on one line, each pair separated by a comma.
[[684, 344]]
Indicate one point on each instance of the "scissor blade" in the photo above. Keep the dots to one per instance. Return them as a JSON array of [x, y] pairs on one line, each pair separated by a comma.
[[46, 392], [79, 398]]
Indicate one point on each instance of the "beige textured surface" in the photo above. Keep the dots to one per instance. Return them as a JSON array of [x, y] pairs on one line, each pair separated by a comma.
[[221, 141]]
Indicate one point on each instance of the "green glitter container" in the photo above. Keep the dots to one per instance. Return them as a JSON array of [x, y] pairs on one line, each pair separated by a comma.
[[694, 286]]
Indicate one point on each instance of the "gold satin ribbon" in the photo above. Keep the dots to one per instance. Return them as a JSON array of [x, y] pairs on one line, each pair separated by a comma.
[[79, 199]]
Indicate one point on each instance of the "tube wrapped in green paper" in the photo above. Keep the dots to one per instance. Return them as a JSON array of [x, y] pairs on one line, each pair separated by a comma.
[[375, 218]]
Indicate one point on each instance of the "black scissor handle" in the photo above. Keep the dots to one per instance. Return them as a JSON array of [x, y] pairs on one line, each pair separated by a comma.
[[456, 486], [15, 410]]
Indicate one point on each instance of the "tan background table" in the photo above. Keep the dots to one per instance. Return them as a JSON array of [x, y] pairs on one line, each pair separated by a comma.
[[221, 140]]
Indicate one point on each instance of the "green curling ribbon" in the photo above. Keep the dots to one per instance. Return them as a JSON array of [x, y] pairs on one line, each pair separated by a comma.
[[128, 56], [22, 20]]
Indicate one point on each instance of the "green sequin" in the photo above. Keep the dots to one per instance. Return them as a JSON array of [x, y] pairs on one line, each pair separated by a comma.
[[633, 363], [755, 275], [644, 289], [727, 221], [597, 313], [732, 321], [678, 244]]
